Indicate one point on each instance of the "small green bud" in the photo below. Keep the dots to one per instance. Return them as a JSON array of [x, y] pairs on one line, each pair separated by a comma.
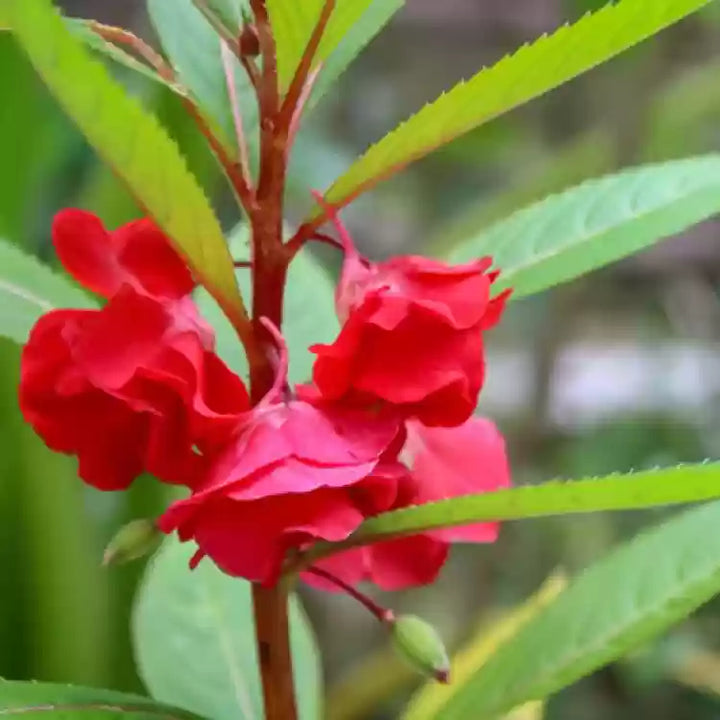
[[419, 643], [132, 541]]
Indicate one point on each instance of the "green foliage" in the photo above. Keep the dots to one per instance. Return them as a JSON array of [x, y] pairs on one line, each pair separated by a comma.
[[132, 142], [66, 702], [309, 311], [685, 483], [194, 51], [28, 289], [195, 641], [530, 72], [628, 597], [479, 648], [596, 223], [374, 19], [352, 24], [83, 31]]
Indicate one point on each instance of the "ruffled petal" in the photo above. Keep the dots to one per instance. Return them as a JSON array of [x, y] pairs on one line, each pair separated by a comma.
[[145, 254], [87, 251], [451, 462]]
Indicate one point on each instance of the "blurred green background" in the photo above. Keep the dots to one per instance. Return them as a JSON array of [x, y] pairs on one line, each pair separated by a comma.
[[617, 371]]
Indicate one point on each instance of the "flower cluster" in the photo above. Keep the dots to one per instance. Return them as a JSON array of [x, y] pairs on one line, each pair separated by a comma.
[[386, 422]]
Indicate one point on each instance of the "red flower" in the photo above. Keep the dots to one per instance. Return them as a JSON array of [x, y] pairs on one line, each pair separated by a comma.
[[136, 254], [444, 463], [134, 387], [412, 336], [295, 474]]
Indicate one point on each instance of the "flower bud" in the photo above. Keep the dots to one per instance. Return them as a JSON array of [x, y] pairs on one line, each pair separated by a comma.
[[132, 541], [249, 41], [419, 643]]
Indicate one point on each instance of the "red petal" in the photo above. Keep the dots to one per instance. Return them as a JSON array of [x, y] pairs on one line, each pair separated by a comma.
[[87, 251], [147, 255], [250, 539], [125, 335], [451, 462], [407, 562]]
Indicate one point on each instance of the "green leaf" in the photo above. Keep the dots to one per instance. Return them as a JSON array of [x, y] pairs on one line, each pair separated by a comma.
[[530, 72], [685, 483], [66, 702], [374, 19], [28, 289], [293, 23], [195, 642], [193, 47], [621, 602], [133, 144], [82, 30], [597, 223]]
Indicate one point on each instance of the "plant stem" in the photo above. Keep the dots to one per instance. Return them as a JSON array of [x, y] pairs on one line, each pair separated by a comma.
[[270, 261], [382, 614], [273, 633]]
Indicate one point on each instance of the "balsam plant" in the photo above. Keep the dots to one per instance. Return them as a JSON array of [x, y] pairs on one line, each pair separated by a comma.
[[367, 462]]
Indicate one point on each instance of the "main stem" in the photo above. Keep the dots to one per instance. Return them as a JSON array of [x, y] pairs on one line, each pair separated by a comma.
[[270, 605], [270, 261], [269, 266]]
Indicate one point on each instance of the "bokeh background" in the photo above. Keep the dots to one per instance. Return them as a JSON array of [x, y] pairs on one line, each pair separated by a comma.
[[616, 371]]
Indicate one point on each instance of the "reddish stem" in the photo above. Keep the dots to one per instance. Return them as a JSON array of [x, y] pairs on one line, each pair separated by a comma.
[[121, 36], [252, 71], [382, 614], [328, 240], [304, 233], [299, 109], [273, 632], [270, 605], [300, 79]]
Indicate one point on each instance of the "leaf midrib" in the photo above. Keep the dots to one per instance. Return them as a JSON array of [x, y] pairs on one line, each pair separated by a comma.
[[233, 663], [26, 295], [90, 707]]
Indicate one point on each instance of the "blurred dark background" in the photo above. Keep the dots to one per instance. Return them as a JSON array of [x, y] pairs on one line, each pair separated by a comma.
[[619, 370]]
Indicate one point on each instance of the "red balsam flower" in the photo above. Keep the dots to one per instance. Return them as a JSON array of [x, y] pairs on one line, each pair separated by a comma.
[[134, 387], [440, 463], [294, 474], [411, 336]]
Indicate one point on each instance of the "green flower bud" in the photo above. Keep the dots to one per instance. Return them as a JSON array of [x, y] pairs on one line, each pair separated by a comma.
[[132, 541], [419, 643]]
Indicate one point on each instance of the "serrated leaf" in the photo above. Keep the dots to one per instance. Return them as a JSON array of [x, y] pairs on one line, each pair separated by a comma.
[[630, 596], [67, 702], [357, 37], [193, 47], [651, 488], [133, 144], [194, 640], [293, 23], [81, 29], [425, 703], [596, 223], [533, 70], [28, 289]]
